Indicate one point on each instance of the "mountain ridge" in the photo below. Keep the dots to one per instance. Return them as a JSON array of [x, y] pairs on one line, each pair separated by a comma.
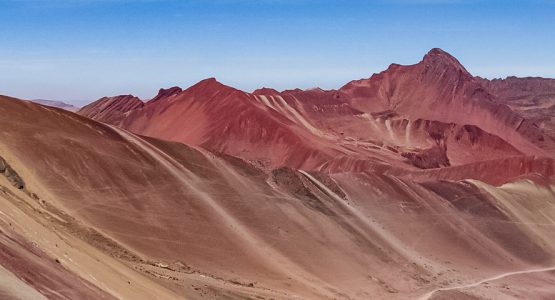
[[438, 88]]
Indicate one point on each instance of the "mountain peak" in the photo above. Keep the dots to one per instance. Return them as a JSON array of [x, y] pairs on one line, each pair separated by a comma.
[[437, 56], [437, 51], [210, 84], [164, 93], [212, 81], [120, 99], [265, 91], [111, 109]]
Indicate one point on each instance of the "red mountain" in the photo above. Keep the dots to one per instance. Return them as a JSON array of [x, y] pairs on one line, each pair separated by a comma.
[[55, 103], [224, 119], [433, 114], [440, 88]]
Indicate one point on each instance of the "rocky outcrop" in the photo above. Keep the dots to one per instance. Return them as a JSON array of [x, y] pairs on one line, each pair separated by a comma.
[[11, 174], [165, 93], [434, 157]]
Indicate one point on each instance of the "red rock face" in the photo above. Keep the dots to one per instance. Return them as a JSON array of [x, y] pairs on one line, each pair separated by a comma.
[[439, 88]]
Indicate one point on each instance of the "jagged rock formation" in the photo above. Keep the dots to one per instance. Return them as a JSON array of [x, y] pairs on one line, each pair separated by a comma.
[[11, 174]]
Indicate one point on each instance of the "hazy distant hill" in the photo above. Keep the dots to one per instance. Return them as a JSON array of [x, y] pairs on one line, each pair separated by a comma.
[[58, 104]]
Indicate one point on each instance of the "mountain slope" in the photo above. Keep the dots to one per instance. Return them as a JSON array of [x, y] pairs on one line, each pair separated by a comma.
[[532, 97], [223, 119], [133, 217], [439, 88]]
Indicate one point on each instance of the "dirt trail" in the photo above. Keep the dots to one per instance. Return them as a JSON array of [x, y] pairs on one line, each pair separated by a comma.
[[475, 284]]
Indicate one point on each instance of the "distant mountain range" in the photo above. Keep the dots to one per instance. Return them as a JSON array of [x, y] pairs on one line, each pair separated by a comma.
[[58, 104], [432, 114]]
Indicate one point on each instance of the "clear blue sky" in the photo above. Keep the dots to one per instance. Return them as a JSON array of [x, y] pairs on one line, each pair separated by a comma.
[[84, 49]]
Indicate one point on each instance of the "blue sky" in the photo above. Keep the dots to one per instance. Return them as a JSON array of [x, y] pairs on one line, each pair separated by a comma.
[[76, 50]]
